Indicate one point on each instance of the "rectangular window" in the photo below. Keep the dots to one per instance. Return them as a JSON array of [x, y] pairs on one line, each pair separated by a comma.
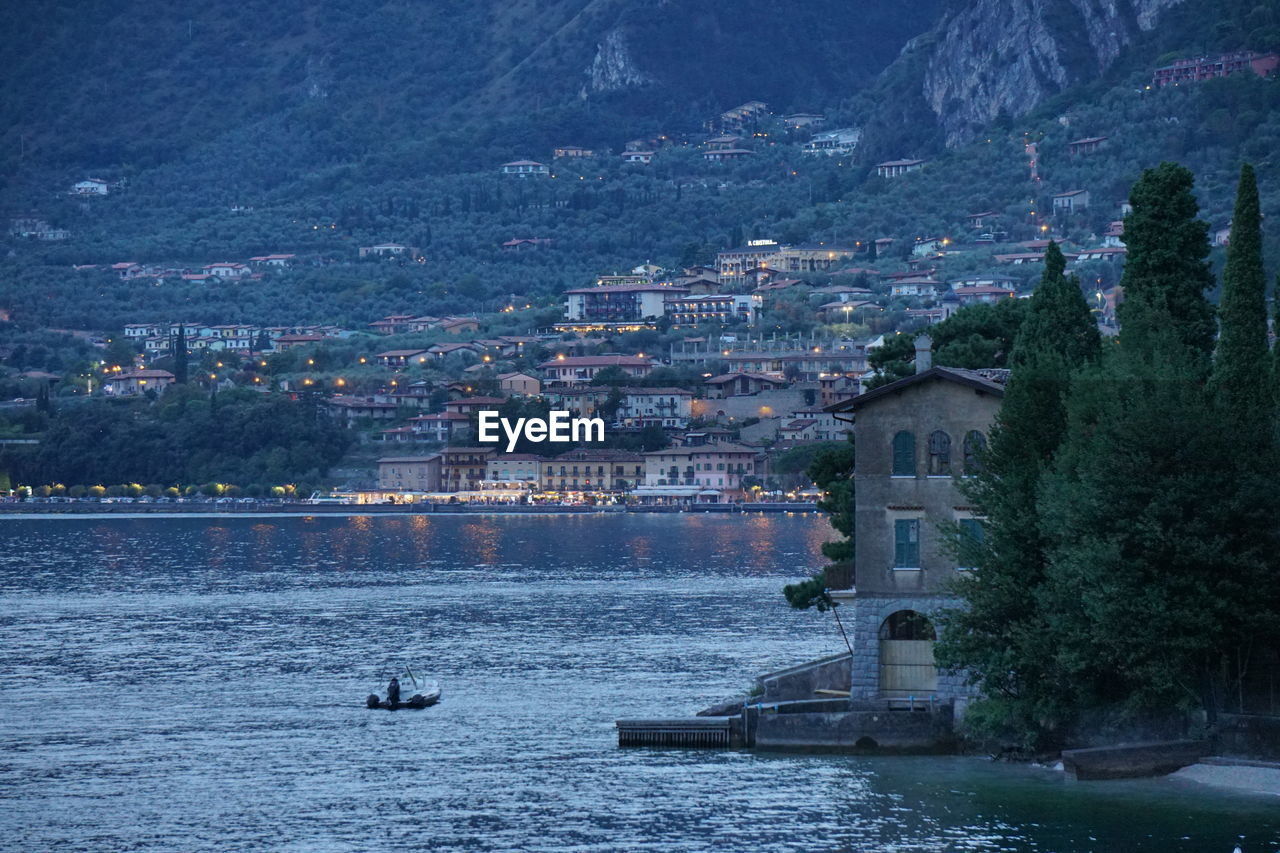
[[906, 543], [972, 528], [971, 537]]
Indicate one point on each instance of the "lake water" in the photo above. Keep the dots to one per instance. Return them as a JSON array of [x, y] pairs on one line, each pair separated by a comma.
[[198, 684]]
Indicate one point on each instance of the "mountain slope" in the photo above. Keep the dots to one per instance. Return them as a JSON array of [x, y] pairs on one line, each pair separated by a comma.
[[137, 83], [987, 61]]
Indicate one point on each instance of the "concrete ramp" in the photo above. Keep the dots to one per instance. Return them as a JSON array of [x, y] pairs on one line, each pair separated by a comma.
[[1133, 760]]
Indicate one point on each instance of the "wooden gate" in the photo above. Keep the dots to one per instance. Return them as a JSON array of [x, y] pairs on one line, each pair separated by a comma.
[[907, 668]]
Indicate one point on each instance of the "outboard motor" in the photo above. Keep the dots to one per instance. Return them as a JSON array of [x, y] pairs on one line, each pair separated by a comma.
[[373, 701]]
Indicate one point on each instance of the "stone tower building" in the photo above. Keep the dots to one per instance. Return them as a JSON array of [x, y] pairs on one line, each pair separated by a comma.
[[914, 439]]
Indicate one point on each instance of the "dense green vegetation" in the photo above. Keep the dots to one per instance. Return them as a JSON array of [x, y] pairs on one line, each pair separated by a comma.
[[186, 437], [1128, 569], [346, 154]]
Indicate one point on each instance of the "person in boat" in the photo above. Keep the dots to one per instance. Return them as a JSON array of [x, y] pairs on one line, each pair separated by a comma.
[[393, 690]]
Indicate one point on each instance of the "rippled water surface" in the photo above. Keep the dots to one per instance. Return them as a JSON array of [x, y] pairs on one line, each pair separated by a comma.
[[198, 684]]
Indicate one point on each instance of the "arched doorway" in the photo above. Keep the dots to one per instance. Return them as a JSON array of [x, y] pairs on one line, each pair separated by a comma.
[[906, 655]]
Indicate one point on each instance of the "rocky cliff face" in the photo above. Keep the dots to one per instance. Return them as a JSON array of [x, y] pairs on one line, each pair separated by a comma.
[[613, 68], [993, 56]]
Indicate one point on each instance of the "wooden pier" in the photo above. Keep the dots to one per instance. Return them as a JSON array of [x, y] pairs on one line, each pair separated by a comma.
[[705, 732]]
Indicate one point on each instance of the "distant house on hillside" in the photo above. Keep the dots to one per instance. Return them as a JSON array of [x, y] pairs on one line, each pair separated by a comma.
[[526, 169], [1071, 201], [1114, 235], [134, 382], [739, 116], [1208, 67], [641, 157], [458, 325], [227, 270], [723, 142], [982, 293], [401, 357], [393, 324], [723, 154], [127, 270], [796, 121], [833, 142], [1104, 253], [389, 250], [897, 168], [580, 370], [915, 287], [273, 260], [90, 186], [1088, 145], [519, 384], [572, 151], [741, 384]]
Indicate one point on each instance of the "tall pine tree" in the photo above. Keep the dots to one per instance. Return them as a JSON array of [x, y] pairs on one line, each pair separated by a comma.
[[1165, 272], [1241, 372], [1243, 385], [1143, 583], [999, 635]]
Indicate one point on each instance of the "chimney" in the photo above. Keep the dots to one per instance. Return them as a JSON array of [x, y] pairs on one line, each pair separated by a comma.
[[924, 353]]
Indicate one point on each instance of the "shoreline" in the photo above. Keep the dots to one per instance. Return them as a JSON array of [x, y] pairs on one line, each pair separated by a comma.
[[86, 510]]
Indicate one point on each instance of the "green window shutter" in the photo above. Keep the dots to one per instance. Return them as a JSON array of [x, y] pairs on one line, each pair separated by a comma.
[[906, 543], [904, 454]]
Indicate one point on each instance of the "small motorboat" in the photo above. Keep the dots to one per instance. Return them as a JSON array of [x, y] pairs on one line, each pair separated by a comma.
[[425, 693]]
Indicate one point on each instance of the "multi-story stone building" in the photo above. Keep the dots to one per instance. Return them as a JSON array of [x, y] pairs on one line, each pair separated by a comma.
[[585, 470], [409, 473], [463, 469], [710, 466], [914, 439]]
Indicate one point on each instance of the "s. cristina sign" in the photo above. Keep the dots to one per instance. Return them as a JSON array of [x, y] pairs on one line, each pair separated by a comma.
[[557, 426]]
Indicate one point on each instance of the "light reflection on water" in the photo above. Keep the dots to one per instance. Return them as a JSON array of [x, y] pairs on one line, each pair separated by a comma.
[[198, 684]]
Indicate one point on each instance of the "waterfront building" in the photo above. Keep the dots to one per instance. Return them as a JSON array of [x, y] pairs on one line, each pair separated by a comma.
[[699, 470], [462, 469], [409, 473], [586, 470], [914, 438]]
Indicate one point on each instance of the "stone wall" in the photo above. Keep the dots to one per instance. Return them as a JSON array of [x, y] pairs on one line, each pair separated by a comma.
[[869, 613], [800, 682], [867, 731]]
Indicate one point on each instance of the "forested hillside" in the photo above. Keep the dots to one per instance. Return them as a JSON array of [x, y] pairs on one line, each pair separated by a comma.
[[317, 128], [406, 87]]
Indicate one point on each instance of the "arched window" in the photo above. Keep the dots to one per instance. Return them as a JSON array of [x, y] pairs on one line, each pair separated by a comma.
[[907, 625], [975, 445], [939, 454], [904, 454]]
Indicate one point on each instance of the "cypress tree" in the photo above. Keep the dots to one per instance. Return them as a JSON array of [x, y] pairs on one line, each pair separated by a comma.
[[1243, 383], [1138, 592], [1165, 272], [999, 635], [1241, 372], [1155, 541], [180, 356]]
